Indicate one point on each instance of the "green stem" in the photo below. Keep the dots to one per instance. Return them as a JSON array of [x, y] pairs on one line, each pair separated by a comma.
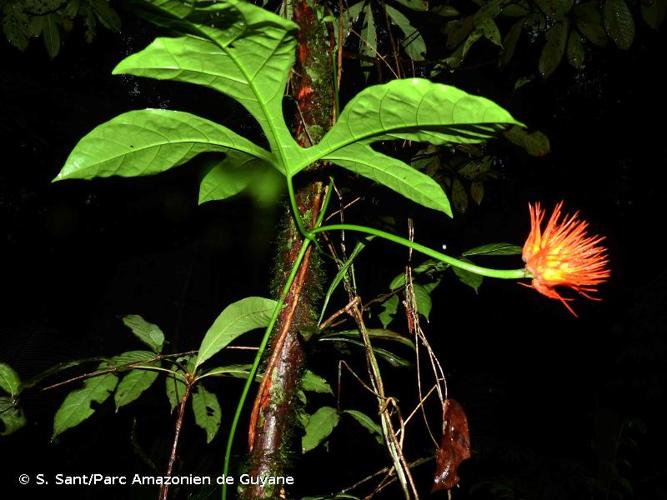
[[295, 209], [508, 274], [258, 358]]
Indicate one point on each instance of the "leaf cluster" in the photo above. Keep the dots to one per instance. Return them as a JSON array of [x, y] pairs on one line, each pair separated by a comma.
[[52, 20]]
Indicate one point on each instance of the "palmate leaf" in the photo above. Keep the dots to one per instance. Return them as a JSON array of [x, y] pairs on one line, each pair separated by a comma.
[[149, 141], [235, 48], [246, 53]]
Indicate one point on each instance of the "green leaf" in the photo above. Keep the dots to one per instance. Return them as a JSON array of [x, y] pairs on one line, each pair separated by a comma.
[[132, 386], [51, 34], [15, 26], [150, 141], [129, 357], [389, 308], [422, 300], [515, 10], [494, 249], [477, 191], [576, 54], [11, 416], [459, 196], [148, 333], [77, 405], [473, 280], [393, 359], [589, 22], [236, 371], [489, 30], [445, 11], [236, 319], [390, 357], [71, 8], [374, 334], [392, 173], [653, 12], [175, 387], [413, 43], [458, 31], [314, 383], [533, 143], [368, 40], [9, 380], [418, 5], [341, 274], [320, 425], [618, 22], [207, 412], [235, 48], [36, 26], [554, 48], [350, 17], [510, 42], [429, 267], [230, 176], [413, 109], [106, 15], [367, 423], [40, 7], [523, 81]]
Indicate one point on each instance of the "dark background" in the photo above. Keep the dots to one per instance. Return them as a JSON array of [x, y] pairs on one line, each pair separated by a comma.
[[552, 400]]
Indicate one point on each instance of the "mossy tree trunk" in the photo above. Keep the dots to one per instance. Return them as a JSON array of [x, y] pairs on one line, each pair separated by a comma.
[[271, 435]]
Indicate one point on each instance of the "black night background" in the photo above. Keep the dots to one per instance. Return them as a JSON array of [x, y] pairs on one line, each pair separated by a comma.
[[554, 403]]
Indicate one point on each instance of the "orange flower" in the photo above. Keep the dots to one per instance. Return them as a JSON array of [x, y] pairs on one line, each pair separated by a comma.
[[564, 255]]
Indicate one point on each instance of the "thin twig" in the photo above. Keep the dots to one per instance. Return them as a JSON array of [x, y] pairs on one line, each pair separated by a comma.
[[421, 402], [385, 470], [363, 384], [326, 323], [120, 368], [164, 489]]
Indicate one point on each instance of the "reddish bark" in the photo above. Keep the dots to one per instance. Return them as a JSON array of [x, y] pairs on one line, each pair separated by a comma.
[[272, 420]]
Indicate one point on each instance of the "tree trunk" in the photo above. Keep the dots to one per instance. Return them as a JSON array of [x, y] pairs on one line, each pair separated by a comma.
[[271, 435]]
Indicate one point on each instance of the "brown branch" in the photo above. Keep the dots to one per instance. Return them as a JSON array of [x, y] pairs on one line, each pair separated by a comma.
[[117, 368], [164, 489], [286, 324], [345, 310], [287, 317]]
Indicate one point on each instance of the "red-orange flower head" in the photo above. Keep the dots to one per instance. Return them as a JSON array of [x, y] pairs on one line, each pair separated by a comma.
[[564, 255]]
